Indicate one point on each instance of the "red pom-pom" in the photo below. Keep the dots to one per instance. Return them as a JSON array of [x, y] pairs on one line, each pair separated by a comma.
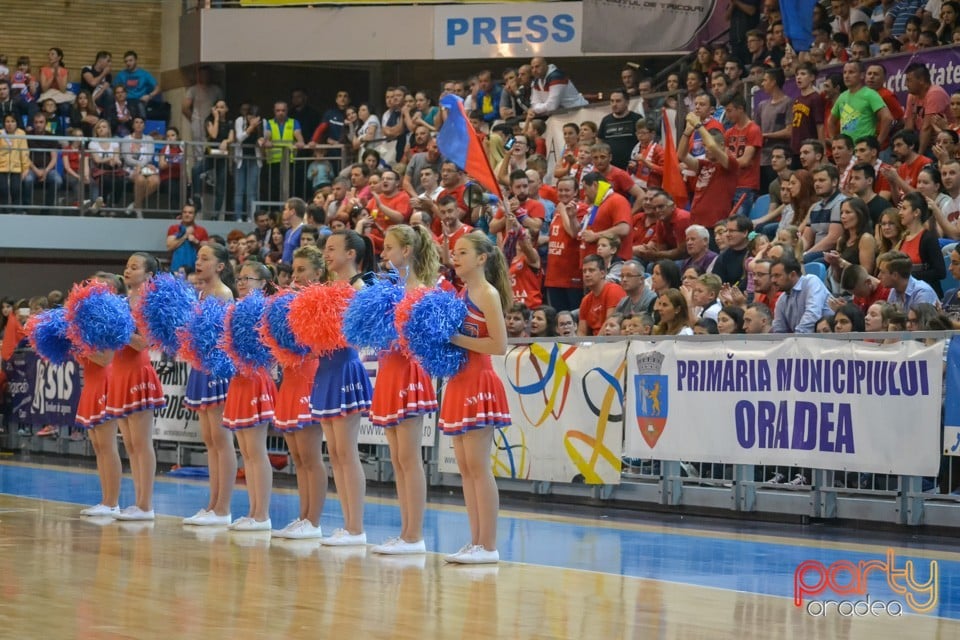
[[316, 316], [402, 314], [187, 351], [284, 357]]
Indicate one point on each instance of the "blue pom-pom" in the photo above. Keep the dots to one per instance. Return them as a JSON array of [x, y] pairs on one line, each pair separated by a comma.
[[368, 321], [48, 335], [166, 304], [100, 320], [278, 322], [204, 331], [247, 348], [433, 321]]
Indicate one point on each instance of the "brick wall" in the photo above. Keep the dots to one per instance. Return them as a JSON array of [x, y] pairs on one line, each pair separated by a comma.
[[81, 28]]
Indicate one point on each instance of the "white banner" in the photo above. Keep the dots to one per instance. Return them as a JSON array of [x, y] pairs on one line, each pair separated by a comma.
[[507, 30], [175, 421], [566, 403], [824, 404], [643, 26]]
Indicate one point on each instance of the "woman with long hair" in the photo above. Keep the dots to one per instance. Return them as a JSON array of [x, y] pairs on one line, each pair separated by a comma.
[[207, 394], [730, 320], [543, 322], [673, 312], [404, 392], [802, 196], [84, 114], [856, 245], [292, 416], [890, 231], [101, 428], [248, 410], [133, 393], [665, 275], [474, 401], [342, 393], [920, 243]]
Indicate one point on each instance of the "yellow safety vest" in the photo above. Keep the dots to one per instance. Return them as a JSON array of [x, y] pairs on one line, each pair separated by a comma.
[[280, 139]]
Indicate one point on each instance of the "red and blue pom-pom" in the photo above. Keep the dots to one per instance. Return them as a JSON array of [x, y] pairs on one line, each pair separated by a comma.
[[47, 332], [316, 316], [241, 340], [165, 305], [369, 320], [433, 320], [200, 338], [276, 334], [99, 319], [402, 315]]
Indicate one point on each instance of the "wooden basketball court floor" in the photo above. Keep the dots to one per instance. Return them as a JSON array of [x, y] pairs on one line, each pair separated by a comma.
[[63, 576]]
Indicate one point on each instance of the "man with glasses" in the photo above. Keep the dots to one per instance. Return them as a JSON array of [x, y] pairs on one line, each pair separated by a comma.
[[639, 299], [670, 233]]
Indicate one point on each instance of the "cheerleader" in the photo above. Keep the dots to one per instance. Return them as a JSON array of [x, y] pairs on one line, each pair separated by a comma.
[[101, 428], [248, 411], [293, 417], [206, 395], [341, 393], [474, 400], [404, 392], [133, 393]]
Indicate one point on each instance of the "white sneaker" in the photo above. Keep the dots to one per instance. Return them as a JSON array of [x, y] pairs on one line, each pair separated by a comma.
[[133, 513], [249, 524], [233, 525], [342, 538], [199, 515], [299, 530], [400, 547], [100, 511], [476, 554], [463, 549], [208, 519]]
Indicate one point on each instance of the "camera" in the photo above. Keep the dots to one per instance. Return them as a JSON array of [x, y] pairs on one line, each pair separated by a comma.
[[356, 210], [475, 196]]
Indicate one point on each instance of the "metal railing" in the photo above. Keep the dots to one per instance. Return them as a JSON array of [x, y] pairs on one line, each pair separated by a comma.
[[147, 177]]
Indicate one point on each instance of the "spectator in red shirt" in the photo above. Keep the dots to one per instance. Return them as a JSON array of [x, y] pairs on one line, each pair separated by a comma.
[[388, 206], [716, 174], [619, 179], [744, 139], [601, 299], [563, 283], [865, 288], [451, 179], [876, 79], [452, 229], [526, 278], [528, 212], [909, 164], [646, 159], [670, 234], [608, 215], [924, 102]]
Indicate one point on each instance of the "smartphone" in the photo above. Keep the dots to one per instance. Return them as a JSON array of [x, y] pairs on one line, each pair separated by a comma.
[[509, 143]]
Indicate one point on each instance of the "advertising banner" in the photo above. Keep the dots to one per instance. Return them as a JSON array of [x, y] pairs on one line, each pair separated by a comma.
[[513, 30], [566, 403], [42, 393], [824, 404], [650, 26]]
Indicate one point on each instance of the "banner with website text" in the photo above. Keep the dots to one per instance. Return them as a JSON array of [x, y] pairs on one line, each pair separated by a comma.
[[651, 26], [177, 423], [566, 404], [817, 403]]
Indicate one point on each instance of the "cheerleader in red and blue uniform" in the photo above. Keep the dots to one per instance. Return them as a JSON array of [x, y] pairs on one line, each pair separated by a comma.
[[474, 400], [92, 416], [248, 410], [293, 417], [206, 394], [404, 392], [133, 393], [341, 393]]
